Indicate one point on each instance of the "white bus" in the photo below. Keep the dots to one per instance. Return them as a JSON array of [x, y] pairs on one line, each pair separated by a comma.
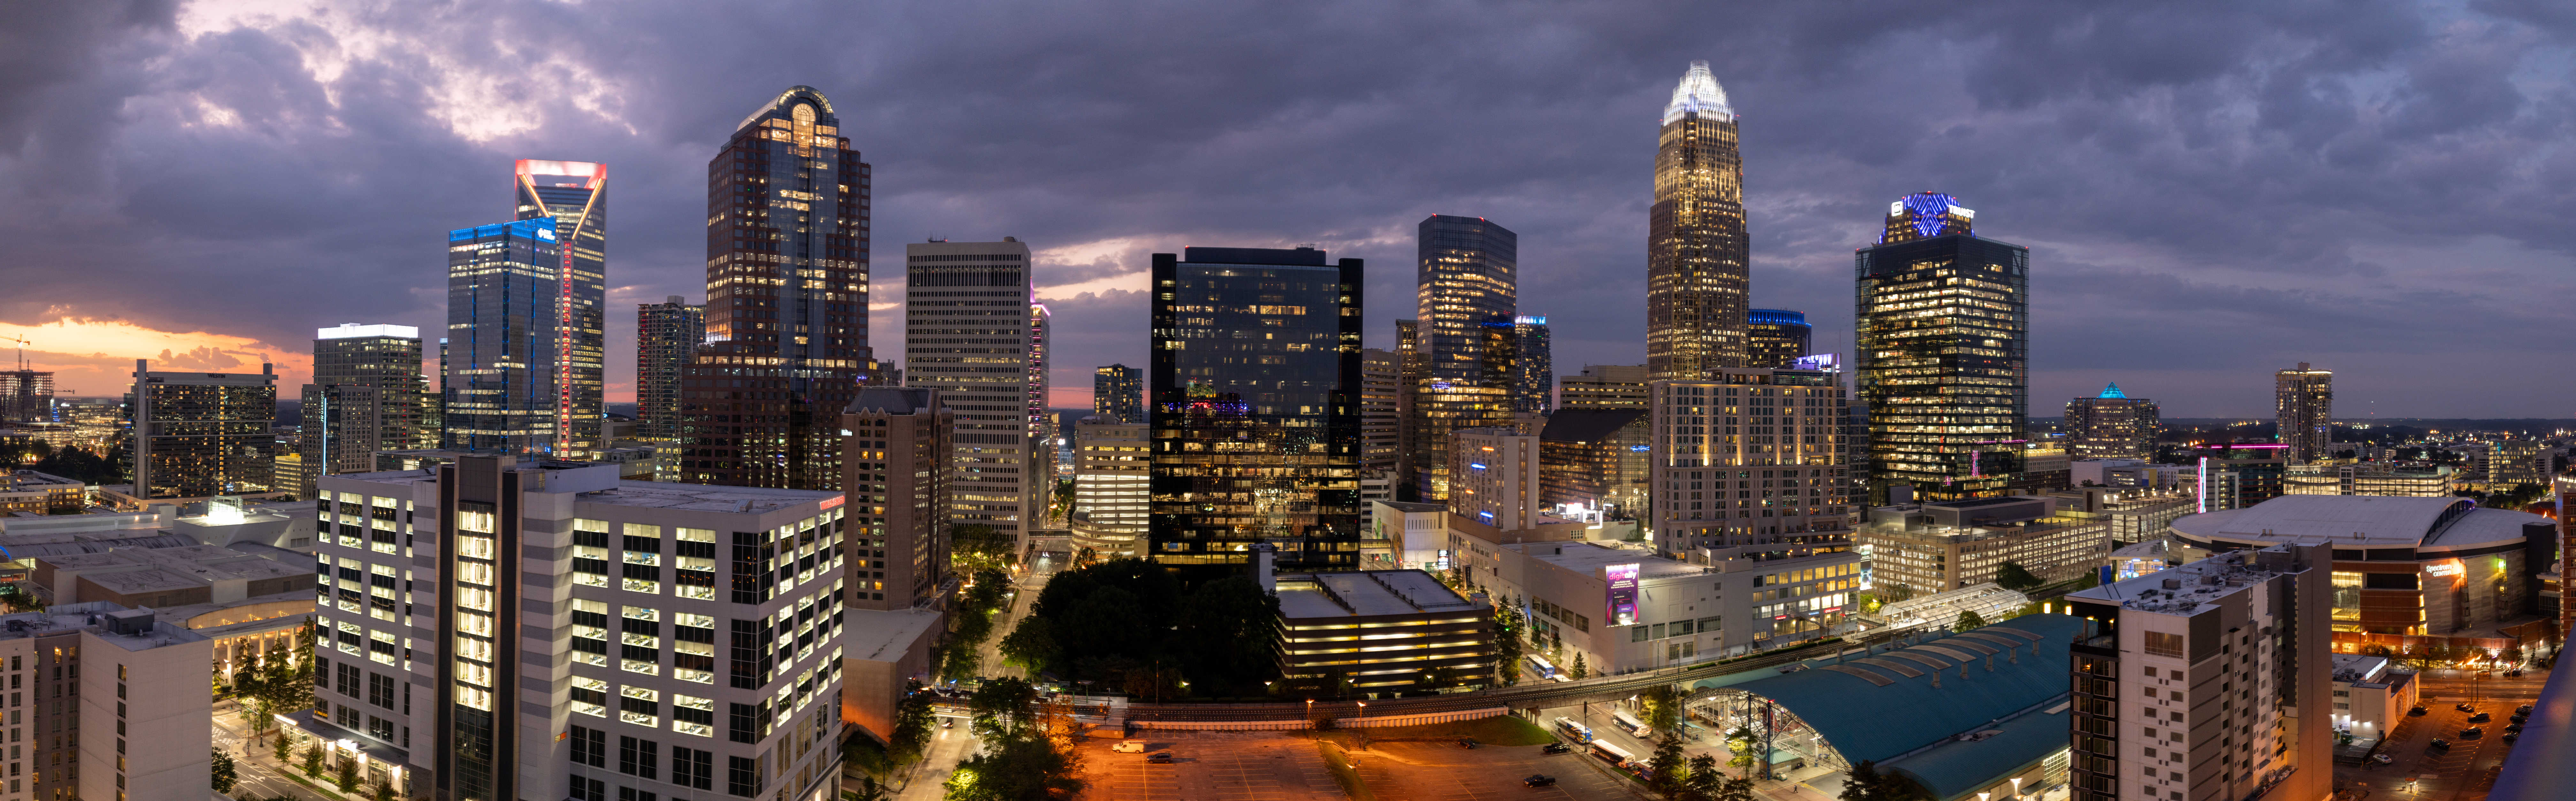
[[1581, 733], [1629, 723], [1612, 754], [1541, 668]]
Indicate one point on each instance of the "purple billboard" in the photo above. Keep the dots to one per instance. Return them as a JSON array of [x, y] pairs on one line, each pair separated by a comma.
[[1623, 593]]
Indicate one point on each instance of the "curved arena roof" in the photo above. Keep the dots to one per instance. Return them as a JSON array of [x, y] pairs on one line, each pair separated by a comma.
[[2351, 521], [1898, 702]]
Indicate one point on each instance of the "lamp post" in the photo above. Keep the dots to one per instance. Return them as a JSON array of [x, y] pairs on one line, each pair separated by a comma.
[[2016, 787]]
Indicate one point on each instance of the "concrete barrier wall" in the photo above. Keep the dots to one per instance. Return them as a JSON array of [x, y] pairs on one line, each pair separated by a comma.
[[1346, 723]]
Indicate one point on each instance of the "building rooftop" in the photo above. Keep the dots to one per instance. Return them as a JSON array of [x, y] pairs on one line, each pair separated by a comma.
[[128, 582], [2360, 668], [1589, 558], [1407, 506], [2355, 521], [1965, 696], [1371, 593], [703, 497], [1586, 425], [2183, 589], [882, 635]]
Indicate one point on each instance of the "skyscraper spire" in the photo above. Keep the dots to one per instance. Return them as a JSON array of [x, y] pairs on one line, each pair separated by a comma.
[[1695, 245]]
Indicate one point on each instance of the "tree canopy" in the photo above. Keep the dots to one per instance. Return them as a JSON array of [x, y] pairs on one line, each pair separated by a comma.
[[2012, 576], [1129, 623]]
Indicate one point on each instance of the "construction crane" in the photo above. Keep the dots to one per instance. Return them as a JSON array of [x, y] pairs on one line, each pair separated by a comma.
[[22, 350]]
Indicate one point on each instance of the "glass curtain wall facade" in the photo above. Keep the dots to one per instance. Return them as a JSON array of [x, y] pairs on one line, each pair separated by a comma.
[[1255, 407], [1696, 257], [499, 367], [1118, 393], [1534, 370], [666, 335], [575, 195], [202, 434], [386, 357], [1777, 337], [1466, 284], [2305, 399], [787, 301], [1942, 353]]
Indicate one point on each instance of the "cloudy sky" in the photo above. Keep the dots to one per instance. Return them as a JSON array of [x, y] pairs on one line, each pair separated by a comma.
[[2211, 191]]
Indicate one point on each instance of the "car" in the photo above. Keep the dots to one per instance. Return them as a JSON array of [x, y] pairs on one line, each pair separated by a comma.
[[1467, 742], [1557, 748], [2524, 709], [2439, 744], [1539, 780], [2513, 729], [2473, 732], [2418, 711], [2382, 758], [1128, 747], [1159, 757], [2510, 737], [948, 723], [2465, 708], [2480, 718]]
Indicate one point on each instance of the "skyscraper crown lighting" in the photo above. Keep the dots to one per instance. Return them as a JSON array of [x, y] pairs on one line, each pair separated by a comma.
[[2113, 391], [1698, 94]]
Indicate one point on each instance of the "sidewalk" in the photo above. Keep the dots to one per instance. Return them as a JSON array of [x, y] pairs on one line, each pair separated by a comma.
[[259, 773]]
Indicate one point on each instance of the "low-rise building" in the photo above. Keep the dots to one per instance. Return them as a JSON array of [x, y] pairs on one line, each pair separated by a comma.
[[1626, 608], [1932, 547], [165, 577], [1595, 459], [31, 492], [2135, 514], [2371, 695], [1380, 630], [1406, 535], [2405, 569], [2367, 478], [125, 704]]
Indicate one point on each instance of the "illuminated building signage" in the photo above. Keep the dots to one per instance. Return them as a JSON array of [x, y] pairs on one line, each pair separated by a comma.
[[2451, 568], [1623, 593], [1829, 362], [833, 501]]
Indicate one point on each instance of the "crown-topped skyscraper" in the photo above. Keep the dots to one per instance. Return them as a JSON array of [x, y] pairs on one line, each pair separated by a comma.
[[1695, 247]]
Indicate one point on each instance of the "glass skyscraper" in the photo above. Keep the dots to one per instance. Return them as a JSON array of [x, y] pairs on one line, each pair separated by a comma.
[[1695, 243], [1533, 370], [1255, 407], [787, 301], [386, 357], [1465, 283], [575, 194], [666, 336], [2304, 401], [1118, 393], [1943, 325], [1776, 337], [499, 366]]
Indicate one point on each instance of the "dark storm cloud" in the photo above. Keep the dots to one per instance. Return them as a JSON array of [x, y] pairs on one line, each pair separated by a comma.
[[2211, 190]]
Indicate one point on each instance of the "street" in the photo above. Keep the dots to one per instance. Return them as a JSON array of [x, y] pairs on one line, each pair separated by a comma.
[[2419, 772], [259, 774]]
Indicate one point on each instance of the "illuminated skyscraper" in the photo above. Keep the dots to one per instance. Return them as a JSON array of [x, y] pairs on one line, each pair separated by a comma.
[[2305, 399], [1777, 337], [1695, 242], [974, 336], [195, 435], [499, 366], [2112, 426], [1465, 277], [386, 357], [787, 301], [575, 194], [1534, 370], [1943, 325], [1118, 393], [1256, 440], [666, 335]]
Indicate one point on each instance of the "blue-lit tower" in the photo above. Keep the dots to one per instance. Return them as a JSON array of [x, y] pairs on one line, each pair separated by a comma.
[[498, 378]]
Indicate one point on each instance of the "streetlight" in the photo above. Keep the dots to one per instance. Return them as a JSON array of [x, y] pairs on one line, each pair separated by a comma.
[[1363, 713], [2016, 787]]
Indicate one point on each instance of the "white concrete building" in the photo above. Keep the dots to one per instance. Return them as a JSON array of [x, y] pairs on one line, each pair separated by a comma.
[[1112, 464], [1494, 477], [114, 706], [2371, 695], [1626, 609]]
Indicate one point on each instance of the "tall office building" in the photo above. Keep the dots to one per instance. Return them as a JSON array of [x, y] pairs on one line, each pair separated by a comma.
[[2112, 425], [1696, 256], [1381, 391], [1534, 370], [1750, 462], [1777, 337], [575, 195], [1256, 440], [562, 632], [1604, 386], [498, 366], [1445, 405], [787, 301], [1496, 477], [1112, 470], [196, 435], [26, 396], [899, 472], [2208, 681], [1466, 282], [343, 428], [2305, 400], [1413, 365], [666, 335], [1118, 393], [1943, 325], [387, 358], [974, 336]]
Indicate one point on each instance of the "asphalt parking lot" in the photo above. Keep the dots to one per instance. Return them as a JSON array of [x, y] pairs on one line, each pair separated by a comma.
[[1442, 771], [2458, 771], [1211, 766]]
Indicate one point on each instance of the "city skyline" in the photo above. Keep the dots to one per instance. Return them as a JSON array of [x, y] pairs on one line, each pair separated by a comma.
[[2130, 243]]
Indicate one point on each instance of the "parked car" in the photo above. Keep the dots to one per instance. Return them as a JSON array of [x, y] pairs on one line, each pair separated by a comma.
[[2480, 718], [1557, 748], [2382, 758], [2418, 711], [1539, 780], [2439, 744], [1467, 742], [2473, 732], [2524, 709], [2509, 737], [1159, 757], [2513, 729], [1129, 747], [2465, 708]]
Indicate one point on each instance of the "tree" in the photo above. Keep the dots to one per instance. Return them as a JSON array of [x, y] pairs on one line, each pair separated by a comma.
[[348, 779], [1580, 671], [1507, 645], [1736, 790], [313, 758], [1894, 593], [1704, 782], [1022, 767], [1670, 766], [1864, 784], [912, 718], [223, 778], [384, 791], [2012, 576], [282, 746], [1662, 708], [1030, 646], [974, 546], [1740, 742], [1555, 642], [1968, 621], [1001, 707]]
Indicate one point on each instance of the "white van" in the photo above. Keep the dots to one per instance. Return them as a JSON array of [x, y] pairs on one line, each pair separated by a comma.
[[1129, 747]]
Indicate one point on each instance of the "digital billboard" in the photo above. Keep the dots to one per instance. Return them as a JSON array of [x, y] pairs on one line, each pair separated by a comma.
[[1623, 593]]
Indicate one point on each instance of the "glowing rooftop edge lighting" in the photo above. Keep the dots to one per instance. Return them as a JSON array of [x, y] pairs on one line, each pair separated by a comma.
[[1698, 95]]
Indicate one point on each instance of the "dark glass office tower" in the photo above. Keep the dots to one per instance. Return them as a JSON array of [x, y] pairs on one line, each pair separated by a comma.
[[497, 376], [666, 335], [1695, 247], [1776, 337], [787, 301], [1943, 331], [1118, 393], [1533, 370], [386, 357], [1255, 407], [575, 194], [1465, 280]]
